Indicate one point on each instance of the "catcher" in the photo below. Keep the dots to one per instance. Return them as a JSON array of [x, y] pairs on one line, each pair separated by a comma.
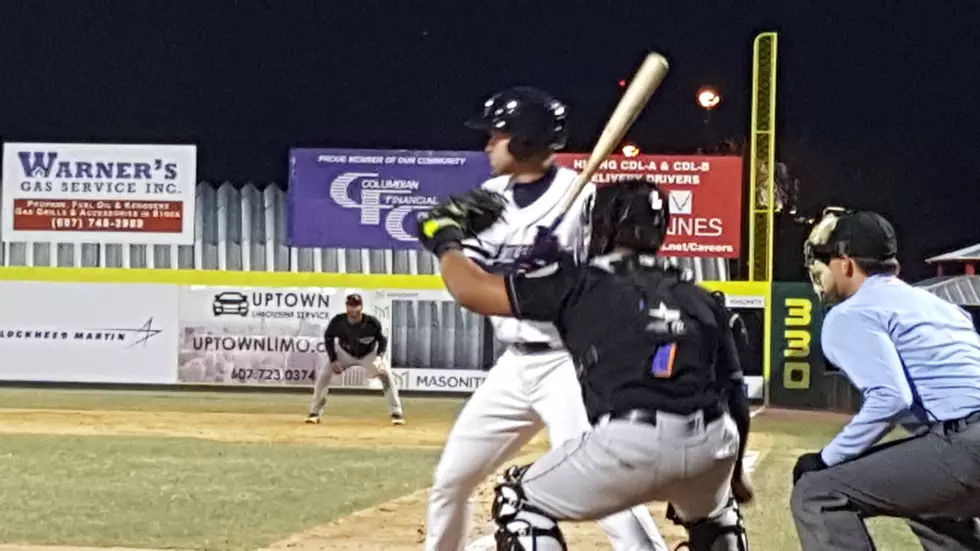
[[660, 375], [355, 338]]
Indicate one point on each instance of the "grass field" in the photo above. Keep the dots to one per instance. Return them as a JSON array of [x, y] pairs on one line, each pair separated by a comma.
[[241, 471]]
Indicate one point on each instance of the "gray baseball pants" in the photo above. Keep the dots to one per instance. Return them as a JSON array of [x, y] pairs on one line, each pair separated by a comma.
[[371, 369], [622, 464], [932, 481]]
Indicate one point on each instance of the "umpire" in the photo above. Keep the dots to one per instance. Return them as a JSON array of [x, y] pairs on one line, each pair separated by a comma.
[[916, 360], [660, 375]]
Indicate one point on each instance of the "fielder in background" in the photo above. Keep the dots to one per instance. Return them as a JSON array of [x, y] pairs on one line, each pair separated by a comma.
[[659, 373], [533, 383], [356, 338], [916, 360]]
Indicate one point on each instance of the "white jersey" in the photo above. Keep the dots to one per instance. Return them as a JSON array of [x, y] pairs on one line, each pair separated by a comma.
[[499, 247]]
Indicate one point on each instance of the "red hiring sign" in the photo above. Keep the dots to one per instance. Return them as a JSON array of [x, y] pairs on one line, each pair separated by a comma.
[[705, 197]]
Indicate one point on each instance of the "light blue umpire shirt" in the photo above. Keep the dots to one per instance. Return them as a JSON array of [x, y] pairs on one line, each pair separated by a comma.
[[914, 356]]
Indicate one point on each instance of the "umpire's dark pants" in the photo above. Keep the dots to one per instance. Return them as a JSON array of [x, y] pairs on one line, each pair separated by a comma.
[[932, 481]]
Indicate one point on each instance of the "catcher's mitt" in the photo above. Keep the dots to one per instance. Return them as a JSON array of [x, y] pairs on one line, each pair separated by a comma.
[[473, 211]]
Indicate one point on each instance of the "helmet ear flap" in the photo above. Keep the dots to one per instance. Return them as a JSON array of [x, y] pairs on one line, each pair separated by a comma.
[[520, 147]]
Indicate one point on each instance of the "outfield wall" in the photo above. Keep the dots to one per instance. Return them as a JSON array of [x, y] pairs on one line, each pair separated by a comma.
[[233, 329], [801, 377]]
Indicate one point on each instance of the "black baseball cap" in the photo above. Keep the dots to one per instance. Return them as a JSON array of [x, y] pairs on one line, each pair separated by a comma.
[[354, 300], [863, 234]]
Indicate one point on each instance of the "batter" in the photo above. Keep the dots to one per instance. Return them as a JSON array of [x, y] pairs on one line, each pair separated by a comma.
[[534, 383]]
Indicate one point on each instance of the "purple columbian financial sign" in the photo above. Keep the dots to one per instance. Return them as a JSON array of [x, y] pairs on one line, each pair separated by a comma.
[[371, 198]]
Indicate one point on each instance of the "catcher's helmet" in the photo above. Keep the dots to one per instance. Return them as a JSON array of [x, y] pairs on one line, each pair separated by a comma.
[[533, 118], [631, 213]]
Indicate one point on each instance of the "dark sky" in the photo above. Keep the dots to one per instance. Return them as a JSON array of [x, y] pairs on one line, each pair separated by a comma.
[[877, 100]]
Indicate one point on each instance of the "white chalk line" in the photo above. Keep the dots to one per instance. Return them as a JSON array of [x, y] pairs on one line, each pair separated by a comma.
[[487, 542]]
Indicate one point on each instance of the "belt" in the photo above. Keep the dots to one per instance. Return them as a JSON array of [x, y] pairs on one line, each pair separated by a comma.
[[534, 347], [649, 416], [959, 425]]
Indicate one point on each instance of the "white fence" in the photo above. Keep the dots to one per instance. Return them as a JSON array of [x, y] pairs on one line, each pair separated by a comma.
[[243, 228]]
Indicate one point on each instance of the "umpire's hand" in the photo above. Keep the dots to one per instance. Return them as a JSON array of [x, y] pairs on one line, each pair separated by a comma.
[[807, 463]]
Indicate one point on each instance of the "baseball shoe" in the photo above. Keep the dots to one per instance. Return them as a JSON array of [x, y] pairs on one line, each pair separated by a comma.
[[312, 419], [397, 419]]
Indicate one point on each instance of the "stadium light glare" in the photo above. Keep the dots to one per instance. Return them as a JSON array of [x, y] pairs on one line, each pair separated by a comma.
[[708, 98]]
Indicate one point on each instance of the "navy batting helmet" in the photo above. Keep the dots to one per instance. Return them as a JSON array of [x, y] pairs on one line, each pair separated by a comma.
[[534, 119], [631, 213]]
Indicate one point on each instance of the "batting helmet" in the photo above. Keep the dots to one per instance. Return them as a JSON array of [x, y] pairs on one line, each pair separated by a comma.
[[631, 213], [534, 119]]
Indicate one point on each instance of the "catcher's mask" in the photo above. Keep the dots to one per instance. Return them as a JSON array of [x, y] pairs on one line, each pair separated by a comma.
[[631, 213], [840, 232]]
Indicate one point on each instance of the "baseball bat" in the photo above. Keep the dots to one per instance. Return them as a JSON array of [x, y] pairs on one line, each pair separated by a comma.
[[645, 82]]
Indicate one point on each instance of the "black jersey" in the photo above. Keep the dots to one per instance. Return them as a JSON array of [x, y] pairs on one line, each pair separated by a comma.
[[643, 335], [358, 339]]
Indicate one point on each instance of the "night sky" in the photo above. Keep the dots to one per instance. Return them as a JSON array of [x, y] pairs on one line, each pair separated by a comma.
[[877, 102]]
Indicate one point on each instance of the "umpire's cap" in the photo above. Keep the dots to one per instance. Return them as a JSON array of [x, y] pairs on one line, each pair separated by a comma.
[[534, 119], [863, 235], [354, 299], [631, 213]]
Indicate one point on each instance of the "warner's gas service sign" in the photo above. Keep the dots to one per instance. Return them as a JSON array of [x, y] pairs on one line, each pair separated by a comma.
[[85, 193]]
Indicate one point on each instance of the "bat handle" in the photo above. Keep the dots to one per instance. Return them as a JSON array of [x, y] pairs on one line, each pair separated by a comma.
[[554, 225]]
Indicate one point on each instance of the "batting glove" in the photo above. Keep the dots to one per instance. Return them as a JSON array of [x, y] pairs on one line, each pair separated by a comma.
[[440, 235]]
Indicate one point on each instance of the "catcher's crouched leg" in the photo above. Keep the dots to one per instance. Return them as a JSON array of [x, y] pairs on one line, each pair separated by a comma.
[[520, 525], [726, 532]]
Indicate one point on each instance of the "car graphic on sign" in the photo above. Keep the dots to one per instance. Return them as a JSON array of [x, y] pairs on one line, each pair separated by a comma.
[[230, 303]]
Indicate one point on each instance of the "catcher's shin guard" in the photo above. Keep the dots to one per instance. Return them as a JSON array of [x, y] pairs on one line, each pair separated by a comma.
[[726, 532], [520, 525]]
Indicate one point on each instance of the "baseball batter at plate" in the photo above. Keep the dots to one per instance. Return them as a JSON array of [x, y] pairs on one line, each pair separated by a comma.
[[533, 384], [355, 338], [657, 364]]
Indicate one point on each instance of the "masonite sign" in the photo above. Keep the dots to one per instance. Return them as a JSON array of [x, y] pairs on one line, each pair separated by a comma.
[[84, 193], [88, 332], [258, 336], [371, 199], [705, 195]]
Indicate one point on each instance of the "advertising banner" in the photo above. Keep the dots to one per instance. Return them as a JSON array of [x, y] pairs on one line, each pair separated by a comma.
[[366, 198], [84, 193], [705, 196], [445, 380], [258, 336], [798, 366], [88, 332]]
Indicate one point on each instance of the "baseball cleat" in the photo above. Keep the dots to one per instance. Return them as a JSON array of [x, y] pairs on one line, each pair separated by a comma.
[[397, 419], [312, 419]]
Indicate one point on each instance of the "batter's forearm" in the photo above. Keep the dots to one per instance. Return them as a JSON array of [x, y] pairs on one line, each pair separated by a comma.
[[472, 287]]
